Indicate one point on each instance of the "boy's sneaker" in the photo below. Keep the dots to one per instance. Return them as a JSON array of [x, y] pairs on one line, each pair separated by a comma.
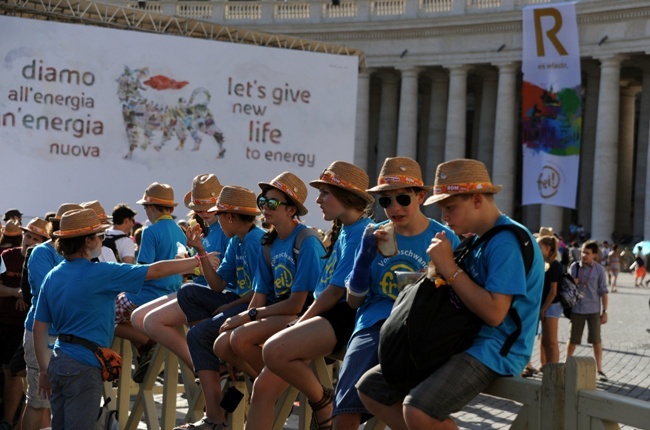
[[143, 363], [602, 376]]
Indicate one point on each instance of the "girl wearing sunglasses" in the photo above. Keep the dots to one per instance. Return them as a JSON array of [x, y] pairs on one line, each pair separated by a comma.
[[372, 285], [327, 325], [282, 285]]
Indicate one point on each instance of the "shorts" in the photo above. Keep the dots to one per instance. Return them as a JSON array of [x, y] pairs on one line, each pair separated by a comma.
[[11, 337], [449, 389], [342, 319], [554, 311], [360, 356], [33, 398], [123, 309], [578, 326], [17, 365], [199, 302]]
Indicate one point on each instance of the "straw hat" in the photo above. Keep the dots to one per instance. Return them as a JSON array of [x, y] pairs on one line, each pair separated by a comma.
[[12, 228], [545, 231], [158, 194], [346, 176], [237, 200], [292, 186], [38, 226], [461, 176], [99, 210], [64, 208], [399, 172], [204, 193], [79, 222]]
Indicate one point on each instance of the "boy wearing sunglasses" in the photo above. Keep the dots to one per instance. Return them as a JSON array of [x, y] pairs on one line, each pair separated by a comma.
[[372, 285], [495, 281]]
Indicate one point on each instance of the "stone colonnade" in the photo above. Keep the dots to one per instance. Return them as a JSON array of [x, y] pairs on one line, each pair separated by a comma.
[[440, 113]]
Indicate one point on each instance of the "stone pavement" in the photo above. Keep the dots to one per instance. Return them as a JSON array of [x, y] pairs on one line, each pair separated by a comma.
[[626, 361]]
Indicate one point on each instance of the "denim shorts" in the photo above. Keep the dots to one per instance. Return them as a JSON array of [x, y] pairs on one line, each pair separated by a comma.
[[198, 302], [360, 356], [554, 311], [201, 337], [447, 390], [75, 386]]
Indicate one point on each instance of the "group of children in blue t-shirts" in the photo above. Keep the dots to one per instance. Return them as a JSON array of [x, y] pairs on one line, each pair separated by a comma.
[[269, 302]]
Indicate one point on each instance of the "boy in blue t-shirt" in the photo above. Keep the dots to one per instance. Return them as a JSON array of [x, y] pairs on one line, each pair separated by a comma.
[[496, 280]]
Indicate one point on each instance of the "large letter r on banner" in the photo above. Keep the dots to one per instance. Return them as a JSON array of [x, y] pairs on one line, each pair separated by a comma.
[[550, 34]]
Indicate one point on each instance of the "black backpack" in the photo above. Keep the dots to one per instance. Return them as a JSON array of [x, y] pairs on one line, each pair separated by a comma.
[[109, 242], [428, 325], [567, 291]]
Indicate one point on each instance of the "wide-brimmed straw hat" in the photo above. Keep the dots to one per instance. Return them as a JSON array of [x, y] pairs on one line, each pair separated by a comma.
[[204, 193], [158, 194], [545, 231], [461, 176], [237, 200], [98, 208], [38, 226], [397, 173], [65, 207], [292, 186], [80, 222], [12, 228], [346, 176]]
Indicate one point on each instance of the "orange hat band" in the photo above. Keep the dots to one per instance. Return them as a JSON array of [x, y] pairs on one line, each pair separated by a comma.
[[333, 179], [209, 201], [155, 201], [285, 189], [76, 231], [227, 207], [409, 180], [460, 188]]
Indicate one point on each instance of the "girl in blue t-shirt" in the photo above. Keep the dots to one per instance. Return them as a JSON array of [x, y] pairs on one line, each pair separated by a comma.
[[372, 286], [327, 325], [78, 299], [285, 278]]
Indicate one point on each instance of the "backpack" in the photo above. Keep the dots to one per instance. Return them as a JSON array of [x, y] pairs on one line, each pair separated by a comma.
[[109, 242], [107, 418], [297, 243], [567, 291], [429, 324]]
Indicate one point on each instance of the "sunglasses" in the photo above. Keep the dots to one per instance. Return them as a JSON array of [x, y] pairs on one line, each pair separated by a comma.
[[401, 199], [271, 203]]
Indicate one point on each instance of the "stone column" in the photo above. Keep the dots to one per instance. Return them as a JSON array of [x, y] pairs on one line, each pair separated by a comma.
[[387, 117], [641, 226], [437, 127], [551, 216], [361, 147], [590, 115], [456, 113], [606, 151], [407, 129], [623, 209], [505, 137], [487, 118]]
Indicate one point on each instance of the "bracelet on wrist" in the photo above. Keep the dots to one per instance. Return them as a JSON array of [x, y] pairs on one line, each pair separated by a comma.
[[453, 277]]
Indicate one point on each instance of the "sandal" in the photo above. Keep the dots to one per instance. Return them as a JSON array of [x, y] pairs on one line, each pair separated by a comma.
[[204, 423], [528, 372], [325, 401]]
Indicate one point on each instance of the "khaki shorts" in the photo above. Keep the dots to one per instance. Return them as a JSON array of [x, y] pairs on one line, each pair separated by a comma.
[[578, 326], [34, 399]]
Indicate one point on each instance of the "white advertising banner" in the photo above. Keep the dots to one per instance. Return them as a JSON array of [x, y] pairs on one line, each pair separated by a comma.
[[88, 113], [551, 105]]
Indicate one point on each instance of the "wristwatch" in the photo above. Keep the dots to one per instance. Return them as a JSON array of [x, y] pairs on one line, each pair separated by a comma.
[[252, 313]]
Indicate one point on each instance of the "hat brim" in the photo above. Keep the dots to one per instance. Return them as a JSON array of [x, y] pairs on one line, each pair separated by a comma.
[[494, 189], [302, 210], [144, 202], [214, 209], [187, 201], [61, 235], [397, 186], [40, 233], [363, 194]]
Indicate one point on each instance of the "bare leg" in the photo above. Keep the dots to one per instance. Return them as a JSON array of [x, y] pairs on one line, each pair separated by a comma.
[[223, 350], [346, 422], [127, 331], [268, 388], [598, 355], [391, 415], [549, 340], [35, 419], [419, 420], [570, 349], [13, 392], [211, 386], [161, 325], [137, 317]]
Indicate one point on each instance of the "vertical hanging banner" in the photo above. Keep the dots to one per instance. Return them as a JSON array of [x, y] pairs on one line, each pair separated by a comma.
[[551, 105]]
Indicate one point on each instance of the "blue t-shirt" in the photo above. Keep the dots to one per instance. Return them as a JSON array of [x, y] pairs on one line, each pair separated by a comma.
[[411, 256], [339, 264], [215, 241], [78, 298], [159, 242], [499, 267], [43, 259], [286, 275], [240, 261]]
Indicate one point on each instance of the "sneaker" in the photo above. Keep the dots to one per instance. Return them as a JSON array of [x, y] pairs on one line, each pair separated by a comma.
[[602, 376], [204, 423], [143, 364]]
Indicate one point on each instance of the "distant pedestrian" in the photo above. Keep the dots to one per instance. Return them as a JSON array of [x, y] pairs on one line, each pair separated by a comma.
[[613, 267], [639, 268]]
